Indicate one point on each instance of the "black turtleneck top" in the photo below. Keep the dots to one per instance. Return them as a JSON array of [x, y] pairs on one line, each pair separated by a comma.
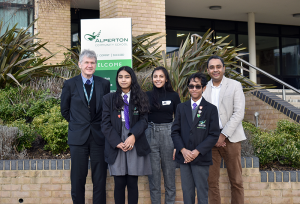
[[168, 102]]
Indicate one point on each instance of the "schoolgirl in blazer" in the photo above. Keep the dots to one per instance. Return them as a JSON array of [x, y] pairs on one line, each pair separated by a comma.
[[124, 121], [112, 126]]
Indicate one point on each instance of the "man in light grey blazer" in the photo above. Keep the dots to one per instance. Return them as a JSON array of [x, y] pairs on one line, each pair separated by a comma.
[[227, 95]]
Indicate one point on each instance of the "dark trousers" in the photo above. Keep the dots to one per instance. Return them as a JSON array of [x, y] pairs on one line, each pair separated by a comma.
[[132, 187], [79, 169], [194, 176], [232, 157]]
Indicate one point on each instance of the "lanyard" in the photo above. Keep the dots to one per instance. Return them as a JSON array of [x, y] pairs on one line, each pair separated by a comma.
[[91, 93]]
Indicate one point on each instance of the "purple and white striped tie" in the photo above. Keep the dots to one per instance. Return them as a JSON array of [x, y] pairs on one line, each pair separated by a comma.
[[126, 112], [194, 106]]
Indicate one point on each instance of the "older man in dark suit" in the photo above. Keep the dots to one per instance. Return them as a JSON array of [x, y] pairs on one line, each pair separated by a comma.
[[194, 132], [81, 106]]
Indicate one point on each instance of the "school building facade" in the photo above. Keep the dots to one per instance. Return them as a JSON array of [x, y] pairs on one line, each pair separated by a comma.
[[270, 29]]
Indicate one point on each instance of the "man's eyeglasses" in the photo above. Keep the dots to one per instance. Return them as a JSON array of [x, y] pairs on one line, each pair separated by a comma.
[[192, 86]]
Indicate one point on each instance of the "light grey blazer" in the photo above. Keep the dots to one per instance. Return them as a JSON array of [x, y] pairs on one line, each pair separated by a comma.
[[231, 108]]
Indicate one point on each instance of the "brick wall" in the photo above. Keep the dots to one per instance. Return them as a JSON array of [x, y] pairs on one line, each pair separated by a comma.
[[48, 181], [147, 16], [54, 26], [268, 115]]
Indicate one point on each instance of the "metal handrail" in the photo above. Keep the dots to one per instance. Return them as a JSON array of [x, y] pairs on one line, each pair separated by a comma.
[[256, 68]]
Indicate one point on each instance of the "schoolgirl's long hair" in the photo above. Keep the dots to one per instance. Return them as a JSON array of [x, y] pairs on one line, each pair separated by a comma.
[[166, 88], [137, 96]]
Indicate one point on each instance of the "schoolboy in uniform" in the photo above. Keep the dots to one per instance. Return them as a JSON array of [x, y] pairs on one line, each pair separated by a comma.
[[195, 132]]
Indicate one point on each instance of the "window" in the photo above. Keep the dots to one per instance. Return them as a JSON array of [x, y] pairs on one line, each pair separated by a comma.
[[76, 16], [16, 11], [177, 37], [290, 56], [277, 46]]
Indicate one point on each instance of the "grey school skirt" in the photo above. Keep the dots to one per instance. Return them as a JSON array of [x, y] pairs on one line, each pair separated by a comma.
[[129, 163]]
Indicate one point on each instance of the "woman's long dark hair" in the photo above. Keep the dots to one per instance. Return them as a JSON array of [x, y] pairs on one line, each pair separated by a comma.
[[137, 96], [167, 87]]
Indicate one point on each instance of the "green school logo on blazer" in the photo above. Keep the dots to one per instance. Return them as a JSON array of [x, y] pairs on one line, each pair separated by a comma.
[[135, 111], [202, 124]]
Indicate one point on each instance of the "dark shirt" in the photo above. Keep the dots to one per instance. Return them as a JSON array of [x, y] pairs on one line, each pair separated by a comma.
[[168, 102], [92, 108]]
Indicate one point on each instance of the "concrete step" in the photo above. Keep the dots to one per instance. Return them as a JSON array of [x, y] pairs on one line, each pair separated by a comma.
[[290, 96], [297, 105], [292, 100], [279, 92]]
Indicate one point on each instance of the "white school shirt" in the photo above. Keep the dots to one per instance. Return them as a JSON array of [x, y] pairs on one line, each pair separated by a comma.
[[197, 102]]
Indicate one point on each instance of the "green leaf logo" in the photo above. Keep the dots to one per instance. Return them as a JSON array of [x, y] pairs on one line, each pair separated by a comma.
[[202, 122], [91, 37]]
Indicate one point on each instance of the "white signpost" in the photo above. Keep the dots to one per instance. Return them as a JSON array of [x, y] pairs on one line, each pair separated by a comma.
[[111, 39]]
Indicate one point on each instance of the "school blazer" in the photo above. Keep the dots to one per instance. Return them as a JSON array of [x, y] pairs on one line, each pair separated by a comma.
[[231, 108], [111, 127], [202, 133]]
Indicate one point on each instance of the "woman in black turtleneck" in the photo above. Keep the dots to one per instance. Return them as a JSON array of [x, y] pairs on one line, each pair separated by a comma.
[[163, 102]]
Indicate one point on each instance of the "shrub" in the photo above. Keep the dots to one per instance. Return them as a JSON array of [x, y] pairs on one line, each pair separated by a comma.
[[41, 106], [145, 81], [192, 58], [20, 56], [54, 130], [8, 136], [19, 106], [12, 105], [27, 135], [293, 129], [280, 145], [146, 51], [24, 103]]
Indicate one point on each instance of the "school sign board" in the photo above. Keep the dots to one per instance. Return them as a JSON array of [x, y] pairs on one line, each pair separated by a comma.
[[111, 39]]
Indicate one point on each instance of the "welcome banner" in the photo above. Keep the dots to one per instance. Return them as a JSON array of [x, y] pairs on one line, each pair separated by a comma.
[[111, 39]]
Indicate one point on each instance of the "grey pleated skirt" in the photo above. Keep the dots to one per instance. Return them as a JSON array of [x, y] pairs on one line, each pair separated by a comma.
[[129, 163]]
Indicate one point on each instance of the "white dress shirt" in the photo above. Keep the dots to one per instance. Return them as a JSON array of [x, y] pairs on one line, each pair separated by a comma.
[[215, 94], [197, 102], [128, 99]]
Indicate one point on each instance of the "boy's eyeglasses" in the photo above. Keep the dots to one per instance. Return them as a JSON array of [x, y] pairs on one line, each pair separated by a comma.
[[192, 86]]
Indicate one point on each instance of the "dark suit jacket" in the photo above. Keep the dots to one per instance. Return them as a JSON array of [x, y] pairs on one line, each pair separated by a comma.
[[202, 134], [112, 127], [75, 110]]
